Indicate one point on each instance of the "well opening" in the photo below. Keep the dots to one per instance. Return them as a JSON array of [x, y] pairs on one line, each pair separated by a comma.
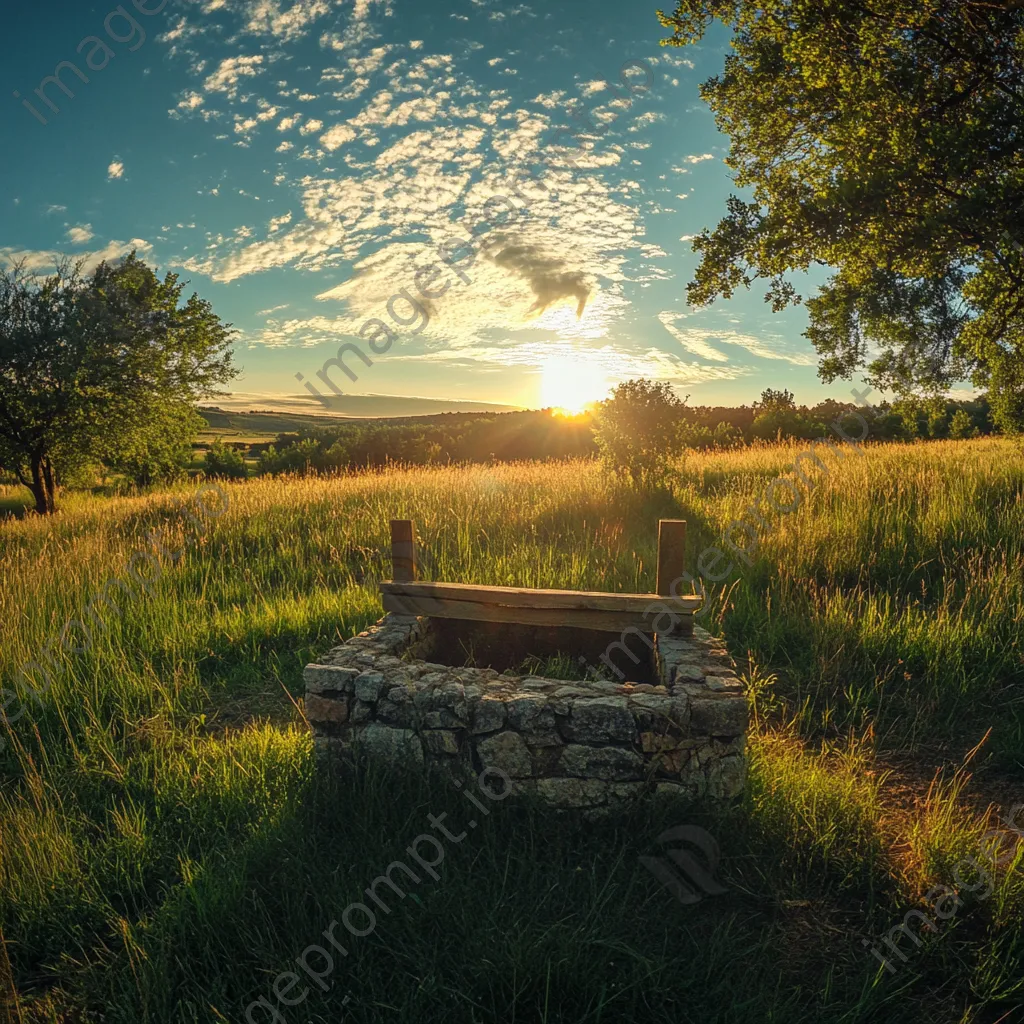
[[554, 652]]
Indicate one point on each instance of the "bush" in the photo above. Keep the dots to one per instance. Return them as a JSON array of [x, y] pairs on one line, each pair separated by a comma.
[[224, 462], [962, 426], [159, 450], [638, 430]]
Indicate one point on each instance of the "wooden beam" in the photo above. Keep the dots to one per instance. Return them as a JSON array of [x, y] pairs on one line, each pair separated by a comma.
[[478, 611], [524, 597], [403, 550], [671, 553]]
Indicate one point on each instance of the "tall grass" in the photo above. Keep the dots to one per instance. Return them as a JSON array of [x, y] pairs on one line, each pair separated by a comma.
[[166, 846]]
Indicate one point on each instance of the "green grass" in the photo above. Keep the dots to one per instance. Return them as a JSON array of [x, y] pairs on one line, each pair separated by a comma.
[[166, 846]]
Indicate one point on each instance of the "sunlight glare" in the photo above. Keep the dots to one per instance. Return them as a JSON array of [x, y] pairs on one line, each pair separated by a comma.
[[570, 385]]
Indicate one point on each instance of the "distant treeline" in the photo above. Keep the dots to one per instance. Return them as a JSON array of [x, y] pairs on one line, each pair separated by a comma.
[[511, 436]]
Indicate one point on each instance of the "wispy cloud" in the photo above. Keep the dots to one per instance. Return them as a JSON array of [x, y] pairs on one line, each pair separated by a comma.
[[44, 260], [693, 341], [698, 341]]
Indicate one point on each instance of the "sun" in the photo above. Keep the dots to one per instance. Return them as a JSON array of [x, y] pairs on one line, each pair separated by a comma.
[[570, 385]]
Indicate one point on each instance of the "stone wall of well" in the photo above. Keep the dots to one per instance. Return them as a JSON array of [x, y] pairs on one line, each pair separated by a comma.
[[581, 744]]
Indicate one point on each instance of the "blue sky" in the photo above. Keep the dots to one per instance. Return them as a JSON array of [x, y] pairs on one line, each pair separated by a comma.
[[299, 160]]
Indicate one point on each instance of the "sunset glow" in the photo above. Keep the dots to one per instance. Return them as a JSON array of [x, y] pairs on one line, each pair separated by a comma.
[[570, 385]]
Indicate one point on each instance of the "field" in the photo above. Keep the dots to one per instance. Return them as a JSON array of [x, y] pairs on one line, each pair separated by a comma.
[[167, 847]]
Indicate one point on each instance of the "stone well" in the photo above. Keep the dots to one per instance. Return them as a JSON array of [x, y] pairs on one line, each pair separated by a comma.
[[588, 744]]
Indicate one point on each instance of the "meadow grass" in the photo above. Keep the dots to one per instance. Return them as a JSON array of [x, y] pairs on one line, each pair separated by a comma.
[[167, 846]]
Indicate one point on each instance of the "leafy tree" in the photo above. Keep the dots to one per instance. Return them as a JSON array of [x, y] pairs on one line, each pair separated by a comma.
[[223, 461], [935, 411], [961, 426], [87, 362], [696, 436], [160, 448], [726, 435], [778, 417], [638, 431], [776, 402], [882, 141]]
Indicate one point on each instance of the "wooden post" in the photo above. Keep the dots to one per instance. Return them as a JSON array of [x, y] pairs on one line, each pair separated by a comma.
[[403, 550], [671, 553]]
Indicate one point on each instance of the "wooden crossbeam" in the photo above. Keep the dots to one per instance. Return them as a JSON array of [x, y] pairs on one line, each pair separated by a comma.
[[584, 610], [577, 608]]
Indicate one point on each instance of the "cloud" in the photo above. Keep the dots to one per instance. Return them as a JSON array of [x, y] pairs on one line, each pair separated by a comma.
[[115, 170], [230, 72], [80, 234], [337, 136], [417, 149], [697, 340], [189, 102], [273, 309], [548, 277], [650, 117], [267, 18], [615, 363], [45, 260], [55, 208], [692, 341]]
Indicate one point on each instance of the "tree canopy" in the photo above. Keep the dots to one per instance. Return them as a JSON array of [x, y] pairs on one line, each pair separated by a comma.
[[882, 141], [637, 429], [90, 366]]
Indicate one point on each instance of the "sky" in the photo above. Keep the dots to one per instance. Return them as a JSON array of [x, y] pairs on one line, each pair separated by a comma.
[[314, 168]]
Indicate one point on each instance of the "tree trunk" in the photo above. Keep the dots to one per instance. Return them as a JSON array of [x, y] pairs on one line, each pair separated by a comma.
[[50, 481], [41, 486]]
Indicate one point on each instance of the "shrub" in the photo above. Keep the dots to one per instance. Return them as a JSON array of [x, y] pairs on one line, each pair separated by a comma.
[[638, 429], [962, 426], [224, 462]]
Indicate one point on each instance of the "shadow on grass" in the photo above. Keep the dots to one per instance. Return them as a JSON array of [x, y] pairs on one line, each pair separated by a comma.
[[535, 916]]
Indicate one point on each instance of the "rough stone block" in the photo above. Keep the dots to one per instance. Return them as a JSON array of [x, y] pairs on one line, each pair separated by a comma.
[[601, 719], [573, 793], [368, 685], [326, 709], [611, 763], [726, 777], [398, 746], [529, 712], [360, 712], [507, 751], [440, 741], [329, 678], [488, 715], [720, 715]]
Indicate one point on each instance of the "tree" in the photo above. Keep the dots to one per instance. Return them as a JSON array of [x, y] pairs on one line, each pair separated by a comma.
[[962, 426], [160, 448], [881, 141], [778, 417], [637, 429], [90, 363], [224, 462], [776, 402]]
